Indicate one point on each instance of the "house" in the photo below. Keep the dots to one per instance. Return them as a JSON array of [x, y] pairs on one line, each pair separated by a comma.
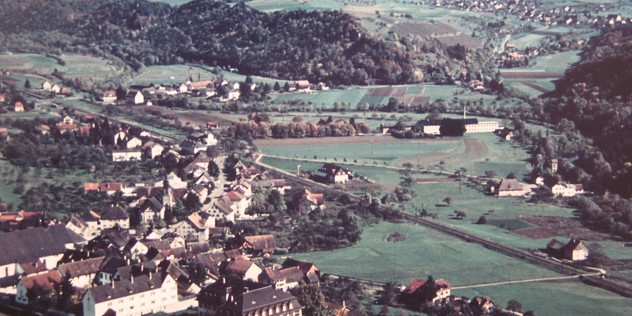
[[262, 301], [135, 97], [152, 149], [212, 125], [332, 173], [574, 250], [18, 107], [3, 97], [259, 246], [45, 245], [46, 86], [56, 89], [90, 223], [272, 184], [81, 273], [110, 188], [144, 294], [282, 279], [232, 206], [237, 297], [133, 143], [195, 226], [301, 85], [565, 189], [10, 221], [199, 163], [134, 154], [511, 187], [311, 273], [108, 269], [310, 201], [109, 96], [421, 291], [151, 208], [244, 269], [481, 305], [198, 141], [504, 133], [36, 286]]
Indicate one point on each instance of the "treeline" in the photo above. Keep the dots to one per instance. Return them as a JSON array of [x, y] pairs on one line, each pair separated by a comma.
[[317, 46], [296, 129]]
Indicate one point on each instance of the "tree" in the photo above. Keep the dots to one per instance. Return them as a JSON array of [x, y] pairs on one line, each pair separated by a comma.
[[482, 220], [276, 86], [459, 214], [312, 299], [514, 306], [447, 200], [213, 169], [490, 173], [27, 84]]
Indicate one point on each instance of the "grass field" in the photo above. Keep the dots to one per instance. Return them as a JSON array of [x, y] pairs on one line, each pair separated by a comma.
[[424, 252], [557, 298]]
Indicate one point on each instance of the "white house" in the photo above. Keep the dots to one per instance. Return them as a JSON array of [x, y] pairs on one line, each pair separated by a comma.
[[195, 225], [135, 97], [152, 149], [567, 189], [90, 223], [134, 143], [127, 154], [109, 96], [46, 86], [145, 294]]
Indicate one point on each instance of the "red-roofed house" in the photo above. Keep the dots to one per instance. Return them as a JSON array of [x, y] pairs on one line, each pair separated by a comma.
[[109, 96], [39, 283], [261, 245], [422, 291], [245, 269], [310, 201]]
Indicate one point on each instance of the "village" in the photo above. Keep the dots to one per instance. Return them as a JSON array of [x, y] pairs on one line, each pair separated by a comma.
[[137, 257]]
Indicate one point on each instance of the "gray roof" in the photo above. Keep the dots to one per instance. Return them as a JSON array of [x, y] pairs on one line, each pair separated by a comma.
[[31, 244], [258, 299], [125, 288]]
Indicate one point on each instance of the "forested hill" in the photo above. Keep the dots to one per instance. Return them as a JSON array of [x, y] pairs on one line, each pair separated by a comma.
[[595, 94], [319, 46]]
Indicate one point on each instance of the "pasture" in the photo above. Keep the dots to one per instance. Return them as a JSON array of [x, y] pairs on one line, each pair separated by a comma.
[[171, 74], [556, 298], [32, 63], [424, 252], [87, 66]]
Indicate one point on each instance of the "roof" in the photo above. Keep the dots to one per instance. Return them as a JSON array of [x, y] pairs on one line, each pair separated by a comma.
[[31, 244], [114, 213], [79, 268], [416, 284], [47, 280], [291, 274], [264, 243], [125, 288], [238, 266], [235, 196], [109, 93], [314, 198], [509, 185], [306, 267], [111, 264], [258, 299], [332, 169], [197, 220]]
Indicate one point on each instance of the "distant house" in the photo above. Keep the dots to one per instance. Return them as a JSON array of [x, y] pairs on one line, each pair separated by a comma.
[[282, 279], [90, 223], [195, 225], [127, 154], [481, 305], [3, 97], [109, 96], [301, 85], [18, 107], [567, 189], [152, 149], [133, 143], [331, 173], [37, 285], [212, 125], [272, 184], [46, 86], [574, 250], [198, 141], [310, 201], [262, 245], [422, 291], [504, 133], [109, 188], [511, 187], [311, 273], [135, 97]]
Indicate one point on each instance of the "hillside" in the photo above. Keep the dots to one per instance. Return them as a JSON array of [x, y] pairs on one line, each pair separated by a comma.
[[595, 96], [319, 46]]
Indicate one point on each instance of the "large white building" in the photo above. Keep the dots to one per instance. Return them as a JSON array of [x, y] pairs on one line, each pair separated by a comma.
[[145, 294]]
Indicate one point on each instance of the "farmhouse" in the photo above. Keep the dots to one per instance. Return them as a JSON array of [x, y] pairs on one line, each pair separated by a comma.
[[425, 291], [567, 189], [511, 187], [310, 201], [574, 250], [331, 173], [109, 96], [18, 107]]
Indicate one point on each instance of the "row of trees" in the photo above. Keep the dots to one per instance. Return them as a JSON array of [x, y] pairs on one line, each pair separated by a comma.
[[300, 129]]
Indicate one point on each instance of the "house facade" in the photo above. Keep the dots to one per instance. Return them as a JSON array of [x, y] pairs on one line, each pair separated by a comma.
[[127, 154]]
